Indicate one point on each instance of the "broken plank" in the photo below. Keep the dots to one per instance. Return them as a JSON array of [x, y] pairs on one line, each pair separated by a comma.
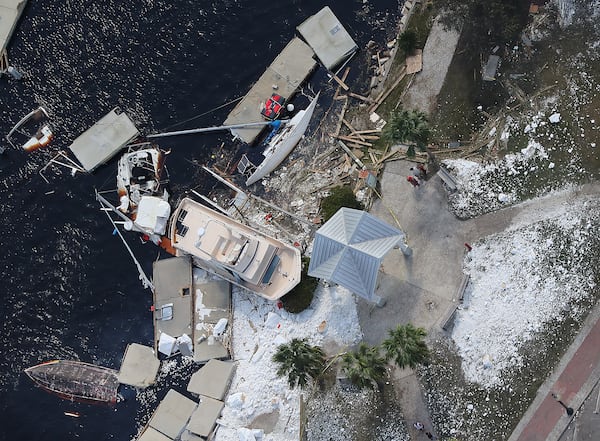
[[352, 129], [347, 138], [351, 154], [340, 82], [362, 98]]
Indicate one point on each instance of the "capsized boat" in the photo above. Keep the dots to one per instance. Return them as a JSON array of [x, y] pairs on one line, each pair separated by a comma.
[[140, 172], [76, 380], [281, 144], [32, 131], [234, 251]]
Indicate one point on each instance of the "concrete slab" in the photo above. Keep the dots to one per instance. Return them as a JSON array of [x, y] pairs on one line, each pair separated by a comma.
[[212, 379], [327, 37], [172, 414], [206, 350], [284, 76], [139, 367], [103, 140], [151, 434], [173, 287], [10, 12], [205, 416], [216, 294]]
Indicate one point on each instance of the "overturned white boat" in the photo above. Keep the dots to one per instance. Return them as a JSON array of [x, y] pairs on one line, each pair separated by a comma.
[[32, 131], [234, 251], [279, 146]]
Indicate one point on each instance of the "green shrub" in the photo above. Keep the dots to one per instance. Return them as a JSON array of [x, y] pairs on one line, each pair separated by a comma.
[[407, 41], [340, 197], [300, 298]]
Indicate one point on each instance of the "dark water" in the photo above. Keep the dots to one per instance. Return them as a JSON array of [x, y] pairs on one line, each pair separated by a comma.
[[69, 288]]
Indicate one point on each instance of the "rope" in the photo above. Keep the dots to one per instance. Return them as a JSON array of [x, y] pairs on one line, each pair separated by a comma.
[[142, 276], [203, 114]]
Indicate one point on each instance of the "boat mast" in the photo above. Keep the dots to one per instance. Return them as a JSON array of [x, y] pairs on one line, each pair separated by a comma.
[[212, 129]]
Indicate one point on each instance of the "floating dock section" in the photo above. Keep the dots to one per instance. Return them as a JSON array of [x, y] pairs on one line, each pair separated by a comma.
[[328, 38], [186, 311], [10, 12], [103, 140], [139, 367], [284, 76]]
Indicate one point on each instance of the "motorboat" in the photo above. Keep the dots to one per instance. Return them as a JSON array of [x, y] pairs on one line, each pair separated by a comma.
[[234, 251], [32, 131]]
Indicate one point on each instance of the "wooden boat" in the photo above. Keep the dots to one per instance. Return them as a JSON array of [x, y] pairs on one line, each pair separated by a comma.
[[282, 143], [234, 251], [33, 131], [76, 381]]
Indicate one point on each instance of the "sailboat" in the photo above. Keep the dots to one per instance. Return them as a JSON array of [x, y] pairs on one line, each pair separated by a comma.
[[279, 146]]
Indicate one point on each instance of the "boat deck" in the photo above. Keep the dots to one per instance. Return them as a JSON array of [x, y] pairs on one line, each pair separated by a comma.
[[10, 12], [284, 76], [259, 263]]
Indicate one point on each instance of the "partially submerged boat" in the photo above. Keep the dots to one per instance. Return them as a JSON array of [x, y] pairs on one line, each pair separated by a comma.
[[32, 131], [234, 251], [76, 381], [280, 145], [140, 173]]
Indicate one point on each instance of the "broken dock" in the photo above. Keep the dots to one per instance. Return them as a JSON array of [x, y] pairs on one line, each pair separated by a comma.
[[10, 12], [284, 76]]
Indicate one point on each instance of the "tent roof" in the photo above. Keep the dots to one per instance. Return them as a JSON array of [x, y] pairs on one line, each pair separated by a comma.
[[348, 250]]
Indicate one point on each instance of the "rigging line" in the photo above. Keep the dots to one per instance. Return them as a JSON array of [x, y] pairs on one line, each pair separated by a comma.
[[142, 276], [203, 114]]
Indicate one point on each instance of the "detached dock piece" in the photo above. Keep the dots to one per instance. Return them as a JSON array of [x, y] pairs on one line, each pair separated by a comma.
[[285, 75], [171, 416], [205, 416], [212, 380], [103, 140], [10, 12], [172, 304], [212, 302], [328, 38], [139, 367]]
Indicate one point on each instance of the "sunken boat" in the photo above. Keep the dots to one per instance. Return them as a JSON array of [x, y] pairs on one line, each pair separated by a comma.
[[76, 381]]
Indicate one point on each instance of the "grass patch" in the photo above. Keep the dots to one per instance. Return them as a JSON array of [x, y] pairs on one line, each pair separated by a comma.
[[340, 197], [300, 298]]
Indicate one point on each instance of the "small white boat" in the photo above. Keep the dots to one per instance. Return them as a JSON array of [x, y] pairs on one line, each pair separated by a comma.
[[140, 173], [33, 131], [281, 144], [234, 251]]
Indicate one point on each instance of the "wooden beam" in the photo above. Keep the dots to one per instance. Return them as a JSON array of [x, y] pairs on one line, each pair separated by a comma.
[[362, 98], [347, 138], [340, 82], [352, 129]]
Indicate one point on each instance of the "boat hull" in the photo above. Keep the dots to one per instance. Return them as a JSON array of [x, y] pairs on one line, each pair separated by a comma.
[[279, 148], [76, 381]]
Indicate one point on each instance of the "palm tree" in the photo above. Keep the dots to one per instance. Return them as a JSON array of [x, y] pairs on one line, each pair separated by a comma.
[[406, 346], [408, 126], [299, 361], [364, 367]]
